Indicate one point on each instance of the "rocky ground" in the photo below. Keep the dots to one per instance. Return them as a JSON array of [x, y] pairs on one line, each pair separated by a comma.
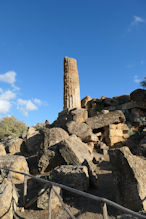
[[99, 148]]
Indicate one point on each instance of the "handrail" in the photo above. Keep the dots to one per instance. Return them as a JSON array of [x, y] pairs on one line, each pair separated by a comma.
[[78, 192]]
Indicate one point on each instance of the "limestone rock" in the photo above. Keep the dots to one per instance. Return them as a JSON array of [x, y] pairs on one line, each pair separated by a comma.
[[17, 163], [53, 135], [142, 147], [98, 176], [50, 159], [6, 195], [66, 116], [138, 116], [74, 151], [15, 146], [91, 138], [138, 95], [102, 148], [33, 140], [79, 115], [115, 101], [32, 162], [103, 120], [2, 150], [84, 101], [74, 176], [42, 201], [80, 129], [71, 84], [122, 99], [129, 172], [116, 133]]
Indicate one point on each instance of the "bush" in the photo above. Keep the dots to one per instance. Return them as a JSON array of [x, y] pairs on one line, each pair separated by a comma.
[[10, 126], [143, 83]]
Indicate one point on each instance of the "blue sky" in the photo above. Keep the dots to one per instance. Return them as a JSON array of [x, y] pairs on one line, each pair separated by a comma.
[[108, 39]]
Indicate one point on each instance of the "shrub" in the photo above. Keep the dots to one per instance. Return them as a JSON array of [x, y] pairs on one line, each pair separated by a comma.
[[99, 107], [143, 83], [10, 126]]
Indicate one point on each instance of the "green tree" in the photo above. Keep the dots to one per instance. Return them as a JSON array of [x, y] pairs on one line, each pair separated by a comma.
[[10, 126], [143, 83]]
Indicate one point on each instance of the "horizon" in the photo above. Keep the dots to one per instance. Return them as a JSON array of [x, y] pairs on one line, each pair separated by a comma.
[[106, 38]]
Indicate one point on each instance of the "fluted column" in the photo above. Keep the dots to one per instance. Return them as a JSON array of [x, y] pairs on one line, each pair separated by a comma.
[[71, 84]]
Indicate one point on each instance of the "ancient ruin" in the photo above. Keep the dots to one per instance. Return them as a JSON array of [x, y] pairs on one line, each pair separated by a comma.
[[71, 84], [95, 145]]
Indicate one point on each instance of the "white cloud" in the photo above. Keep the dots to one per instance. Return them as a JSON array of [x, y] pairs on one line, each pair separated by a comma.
[[136, 21], [25, 106], [1, 90], [7, 95], [37, 101], [5, 100], [9, 77], [136, 79], [4, 106]]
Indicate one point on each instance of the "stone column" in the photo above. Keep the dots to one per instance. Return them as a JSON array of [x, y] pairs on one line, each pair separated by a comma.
[[71, 84]]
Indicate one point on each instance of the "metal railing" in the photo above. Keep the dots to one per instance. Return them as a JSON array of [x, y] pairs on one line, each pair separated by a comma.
[[50, 185]]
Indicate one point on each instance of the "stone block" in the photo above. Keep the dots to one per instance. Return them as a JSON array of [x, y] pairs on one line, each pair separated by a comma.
[[17, 163], [129, 175], [74, 176], [43, 200], [7, 192], [103, 120], [15, 146], [74, 151]]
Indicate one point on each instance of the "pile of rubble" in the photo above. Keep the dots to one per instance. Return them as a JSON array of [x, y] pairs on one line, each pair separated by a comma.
[[85, 147]]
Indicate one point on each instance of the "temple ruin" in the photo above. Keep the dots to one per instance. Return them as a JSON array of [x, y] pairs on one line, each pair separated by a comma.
[[71, 84]]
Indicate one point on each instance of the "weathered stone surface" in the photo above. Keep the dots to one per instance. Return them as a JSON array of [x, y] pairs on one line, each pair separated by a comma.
[[91, 138], [2, 150], [77, 115], [50, 159], [71, 84], [127, 106], [43, 201], [138, 116], [53, 136], [106, 119], [6, 195], [32, 162], [104, 111], [84, 101], [122, 99], [102, 148], [74, 151], [17, 163], [97, 175], [142, 147], [138, 95], [33, 140], [116, 133], [91, 146], [115, 101], [74, 176], [15, 146], [80, 129], [129, 173]]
